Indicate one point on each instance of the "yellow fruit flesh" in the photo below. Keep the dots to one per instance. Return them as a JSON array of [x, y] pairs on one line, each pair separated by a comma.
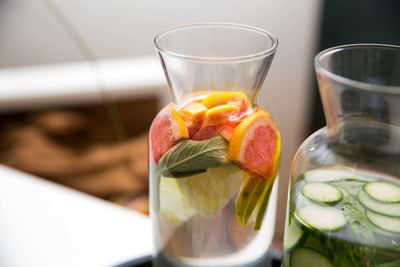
[[173, 206], [221, 98], [180, 125], [209, 192], [194, 110], [219, 114]]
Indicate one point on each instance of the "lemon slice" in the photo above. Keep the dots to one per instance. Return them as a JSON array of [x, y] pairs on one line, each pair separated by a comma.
[[173, 206], [195, 111], [179, 124], [209, 192], [222, 97]]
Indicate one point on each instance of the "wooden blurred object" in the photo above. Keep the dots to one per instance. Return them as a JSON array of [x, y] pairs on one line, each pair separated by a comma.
[[77, 147]]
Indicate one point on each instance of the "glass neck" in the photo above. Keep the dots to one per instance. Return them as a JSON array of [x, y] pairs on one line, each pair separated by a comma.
[[189, 78], [361, 121]]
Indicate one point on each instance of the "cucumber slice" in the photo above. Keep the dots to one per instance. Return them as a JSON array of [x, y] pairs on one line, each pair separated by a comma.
[[391, 224], [321, 192], [314, 242], [383, 192], [305, 257], [321, 217], [330, 175], [293, 235], [390, 209]]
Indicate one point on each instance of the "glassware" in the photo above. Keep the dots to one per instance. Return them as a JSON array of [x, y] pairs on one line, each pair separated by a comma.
[[344, 195], [214, 153]]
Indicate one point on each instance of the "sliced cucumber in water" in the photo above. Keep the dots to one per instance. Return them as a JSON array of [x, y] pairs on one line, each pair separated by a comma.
[[313, 242], [321, 192], [391, 224], [390, 209], [330, 175], [383, 192], [293, 236], [305, 257], [321, 217]]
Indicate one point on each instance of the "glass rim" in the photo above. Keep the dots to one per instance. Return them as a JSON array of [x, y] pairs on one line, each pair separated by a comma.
[[350, 82], [260, 54]]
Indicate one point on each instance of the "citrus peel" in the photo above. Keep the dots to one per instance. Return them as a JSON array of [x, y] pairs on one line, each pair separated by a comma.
[[167, 129], [221, 98]]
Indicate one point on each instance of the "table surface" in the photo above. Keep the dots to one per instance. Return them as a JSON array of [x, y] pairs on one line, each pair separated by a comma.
[[45, 224]]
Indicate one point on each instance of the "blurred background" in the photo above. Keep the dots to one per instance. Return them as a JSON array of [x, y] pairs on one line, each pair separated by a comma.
[[57, 124]]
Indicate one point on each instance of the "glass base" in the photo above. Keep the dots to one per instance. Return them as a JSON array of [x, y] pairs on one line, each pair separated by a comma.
[[163, 260]]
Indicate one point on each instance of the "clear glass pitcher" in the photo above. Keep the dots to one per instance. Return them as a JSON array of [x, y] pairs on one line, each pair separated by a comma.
[[213, 152], [344, 193]]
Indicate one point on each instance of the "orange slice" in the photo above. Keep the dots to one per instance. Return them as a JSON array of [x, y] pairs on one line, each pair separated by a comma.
[[255, 145], [167, 129], [221, 98]]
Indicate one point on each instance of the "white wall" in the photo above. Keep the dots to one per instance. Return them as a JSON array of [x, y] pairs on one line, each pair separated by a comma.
[[29, 35]]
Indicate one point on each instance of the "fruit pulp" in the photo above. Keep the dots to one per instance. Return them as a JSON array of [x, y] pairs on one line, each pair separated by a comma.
[[358, 240], [209, 209]]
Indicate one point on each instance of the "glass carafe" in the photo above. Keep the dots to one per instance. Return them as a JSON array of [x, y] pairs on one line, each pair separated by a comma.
[[344, 193], [213, 152]]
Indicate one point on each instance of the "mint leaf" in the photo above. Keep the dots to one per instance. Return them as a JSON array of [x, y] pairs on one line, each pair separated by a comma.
[[344, 255], [190, 157], [264, 203], [357, 220], [248, 197], [254, 195], [362, 232]]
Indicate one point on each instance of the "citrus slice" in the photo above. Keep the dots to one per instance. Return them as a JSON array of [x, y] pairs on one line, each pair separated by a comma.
[[255, 144], [219, 114], [178, 124], [195, 111], [210, 191], [173, 206], [221, 98], [242, 103], [193, 114], [205, 132], [216, 118], [226, 129], [168, 128]]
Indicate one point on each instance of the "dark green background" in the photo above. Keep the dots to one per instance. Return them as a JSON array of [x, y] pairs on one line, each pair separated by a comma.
[[354, 21]]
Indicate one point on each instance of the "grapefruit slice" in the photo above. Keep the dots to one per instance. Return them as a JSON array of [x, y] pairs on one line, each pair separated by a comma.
[[219, 114], [226, 129], [205, 132], [217, 122], [167, 129], [193, 114], [255, 145]]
